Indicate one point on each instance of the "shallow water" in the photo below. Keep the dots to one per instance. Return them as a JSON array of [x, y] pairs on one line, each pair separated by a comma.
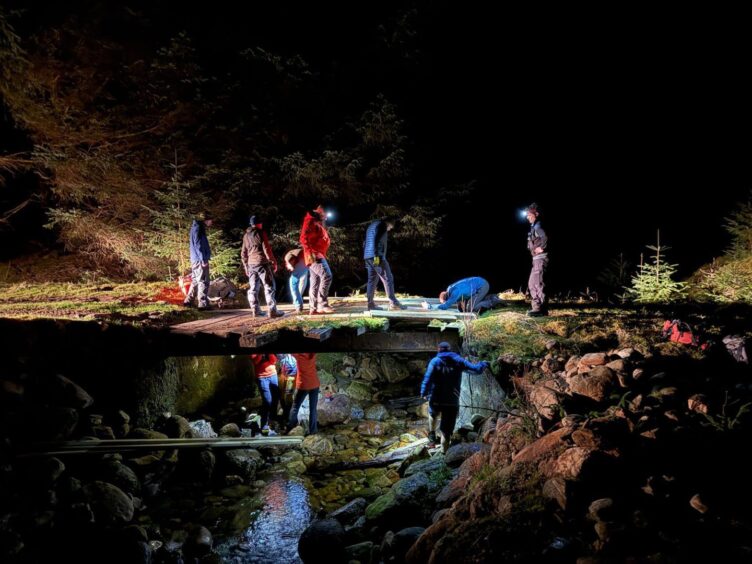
[[276, 525]]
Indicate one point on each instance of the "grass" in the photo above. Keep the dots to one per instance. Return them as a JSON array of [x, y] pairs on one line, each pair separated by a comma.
[[87, 301]]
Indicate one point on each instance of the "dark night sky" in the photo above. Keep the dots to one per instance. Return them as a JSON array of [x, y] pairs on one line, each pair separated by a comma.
[[615, 124]]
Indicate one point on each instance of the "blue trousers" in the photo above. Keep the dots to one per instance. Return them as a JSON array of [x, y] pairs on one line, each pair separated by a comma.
[[313, 402], [297, 284], [269, 389], [383, 272]]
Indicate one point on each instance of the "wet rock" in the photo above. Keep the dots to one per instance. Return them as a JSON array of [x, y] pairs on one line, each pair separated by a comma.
[[393, 371], [110, 505], [359, 391], [377, 412], [199, 542], [360, 552], [176, 427], [569, 465], [95, 419], [318, 445], [202, 429], [296, 432], [334, 410], [67, 393], [457, 454], [120, 475], [121, 418], [396, 545], [596, 384], [230, 430], [425, 466], [618, 366], [323, 542], [372, 428], [369, 370], [201, 466], [403, 504], [296, 467], [638, 373], [243, 462], [350, 512], [559, 490], [420, 453]]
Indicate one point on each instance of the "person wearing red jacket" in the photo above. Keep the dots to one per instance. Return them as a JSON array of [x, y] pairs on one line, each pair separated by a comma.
[[265, 368], [315, 241], [306, 385]]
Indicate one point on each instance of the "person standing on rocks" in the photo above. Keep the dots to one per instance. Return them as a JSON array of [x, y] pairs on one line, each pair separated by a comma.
[[537, 243], [200, 257], [315, 240], [264, 366], [377, 267], [468, 294], [295, 264], [441, 387], [260, 266], [288, 372], [306, 385]]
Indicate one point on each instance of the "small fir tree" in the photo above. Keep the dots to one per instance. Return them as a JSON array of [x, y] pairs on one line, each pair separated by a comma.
[[654, 282]]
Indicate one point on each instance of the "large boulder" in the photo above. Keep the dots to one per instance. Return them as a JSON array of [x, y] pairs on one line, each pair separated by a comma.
[[457, 454], [323, 542], [199, 542], [176, 427], [359, 391], [479, 394], [596, 384], [242, 462], [65, 392], [545, 400], [403, 505], [395, 546], [110, 505], [372, 428], [377, 412], [318, 445], [203, 429], [393, 371], [114, 472], [426, 466], [348, 513], [334, 410]]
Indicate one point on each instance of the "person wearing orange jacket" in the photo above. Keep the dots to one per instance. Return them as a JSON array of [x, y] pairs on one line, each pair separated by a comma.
[[306, 385], [315, 240], [265, 368]]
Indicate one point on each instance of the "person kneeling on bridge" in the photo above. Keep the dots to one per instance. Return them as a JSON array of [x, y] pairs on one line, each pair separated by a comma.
[[306, 385], [468, 294], [441, 387]]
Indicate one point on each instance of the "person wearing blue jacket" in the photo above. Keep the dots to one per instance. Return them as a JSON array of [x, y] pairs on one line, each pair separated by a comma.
[[200, 257], [377, 267], [467, 294], [441, 387]]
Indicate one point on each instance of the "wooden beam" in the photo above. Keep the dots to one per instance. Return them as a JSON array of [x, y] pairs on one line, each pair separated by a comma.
[[319, 333], [255, 340]]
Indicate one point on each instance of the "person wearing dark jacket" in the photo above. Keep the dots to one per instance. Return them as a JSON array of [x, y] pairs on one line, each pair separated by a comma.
[[537, 243], [260, 266], [441, 387], [200, 257], [314, 238], [377, 267]]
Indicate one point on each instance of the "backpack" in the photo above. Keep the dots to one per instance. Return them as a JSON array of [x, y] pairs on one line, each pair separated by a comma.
[[221, 290], [678, 331]]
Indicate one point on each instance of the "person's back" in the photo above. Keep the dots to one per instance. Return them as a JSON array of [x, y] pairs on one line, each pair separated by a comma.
[[253, 247], [447, 377]]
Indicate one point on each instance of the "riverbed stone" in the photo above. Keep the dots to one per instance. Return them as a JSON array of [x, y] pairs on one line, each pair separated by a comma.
[[243, 462], [377, 412], [110, 505], [393, 370], [120, 475], [65, 392], [359, 391], [372, 428], [318, 445], [322, 542], [202, 429], [457, 454], [350, 512], [334, 410], [360, 552], [198, 543]]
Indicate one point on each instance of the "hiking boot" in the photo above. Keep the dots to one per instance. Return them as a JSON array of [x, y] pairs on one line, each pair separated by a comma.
[[257, 312], [396, 307], [537, 313], [298, 311], [432, 439], [187, 304], [371, 305], [274, 313], [325, 309]]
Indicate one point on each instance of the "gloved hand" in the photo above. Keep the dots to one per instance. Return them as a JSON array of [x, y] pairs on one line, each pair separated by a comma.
[[376, 261]]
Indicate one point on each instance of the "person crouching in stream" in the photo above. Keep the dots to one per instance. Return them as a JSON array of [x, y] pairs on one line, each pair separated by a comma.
[[264, 365], [288, 372], [306, 385], [441, 387]]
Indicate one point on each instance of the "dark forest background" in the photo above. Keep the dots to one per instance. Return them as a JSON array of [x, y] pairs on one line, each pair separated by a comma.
[[452, 117]]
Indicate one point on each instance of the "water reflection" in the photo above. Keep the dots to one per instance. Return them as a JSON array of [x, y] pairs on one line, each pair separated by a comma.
[[276, 527]]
